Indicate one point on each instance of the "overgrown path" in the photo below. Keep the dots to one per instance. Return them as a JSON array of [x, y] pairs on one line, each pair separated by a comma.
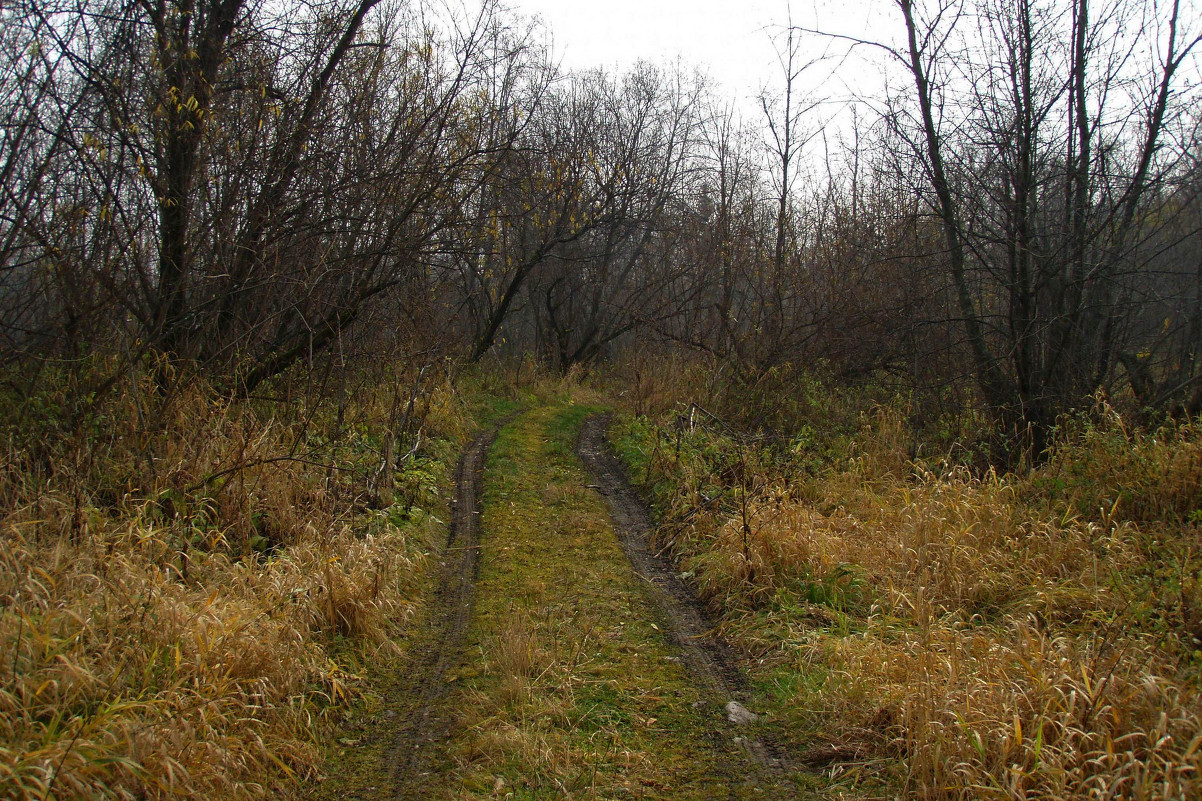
[[571, 674]]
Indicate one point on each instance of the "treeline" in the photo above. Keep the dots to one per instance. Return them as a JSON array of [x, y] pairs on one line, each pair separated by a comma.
[[241, 188]]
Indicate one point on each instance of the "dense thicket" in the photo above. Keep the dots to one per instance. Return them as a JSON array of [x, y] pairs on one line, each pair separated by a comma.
[[240, 186]]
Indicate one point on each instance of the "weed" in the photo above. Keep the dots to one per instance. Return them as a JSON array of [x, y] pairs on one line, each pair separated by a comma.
[[967, 633], [185, 581]]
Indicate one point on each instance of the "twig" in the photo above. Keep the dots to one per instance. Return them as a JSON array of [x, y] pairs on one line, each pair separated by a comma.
[[258, 462]]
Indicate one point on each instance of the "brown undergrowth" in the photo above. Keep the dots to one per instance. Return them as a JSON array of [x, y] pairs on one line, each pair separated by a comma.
[[187, 582], [971, 635]]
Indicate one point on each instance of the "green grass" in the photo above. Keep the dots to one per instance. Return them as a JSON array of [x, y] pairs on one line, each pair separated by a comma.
[[574, 690], [568, 686]]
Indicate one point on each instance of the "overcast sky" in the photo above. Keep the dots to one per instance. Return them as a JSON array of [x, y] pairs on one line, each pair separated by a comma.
[[730, 39]]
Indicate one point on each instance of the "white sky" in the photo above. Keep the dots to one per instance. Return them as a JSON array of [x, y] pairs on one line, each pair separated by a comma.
[[730, 39]]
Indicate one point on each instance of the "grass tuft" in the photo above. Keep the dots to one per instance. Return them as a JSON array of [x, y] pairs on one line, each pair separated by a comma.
[[186, 580], [968, 634]]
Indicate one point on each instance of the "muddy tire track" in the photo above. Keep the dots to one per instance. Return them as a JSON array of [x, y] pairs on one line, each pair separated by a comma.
[[687, 625], [422, 730]]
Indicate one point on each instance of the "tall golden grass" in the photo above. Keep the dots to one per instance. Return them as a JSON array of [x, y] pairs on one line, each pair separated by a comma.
[[1033, 636], [178, 583]]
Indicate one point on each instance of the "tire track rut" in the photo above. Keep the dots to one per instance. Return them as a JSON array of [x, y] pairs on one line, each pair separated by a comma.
[[428, 725], [709, 658]]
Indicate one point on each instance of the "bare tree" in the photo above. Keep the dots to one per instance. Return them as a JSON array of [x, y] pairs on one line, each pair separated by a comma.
[[786, 116], [577, 198], [623, 275], [1040, 179], [244, 180]]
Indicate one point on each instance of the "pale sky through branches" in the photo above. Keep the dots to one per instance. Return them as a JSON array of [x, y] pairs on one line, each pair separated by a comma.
[[731, 40]]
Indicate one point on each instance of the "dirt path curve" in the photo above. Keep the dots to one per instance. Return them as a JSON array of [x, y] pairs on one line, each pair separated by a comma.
[[428, 723], [708, 657]]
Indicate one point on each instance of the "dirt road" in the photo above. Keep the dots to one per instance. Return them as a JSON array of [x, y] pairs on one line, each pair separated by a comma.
[[559, 658]]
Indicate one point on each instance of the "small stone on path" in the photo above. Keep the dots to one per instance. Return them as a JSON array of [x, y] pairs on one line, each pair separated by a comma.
[[740, 715]]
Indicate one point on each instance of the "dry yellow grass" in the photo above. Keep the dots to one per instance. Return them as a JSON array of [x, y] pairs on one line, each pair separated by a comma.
[[994, 637], [122, 680], [178, 585]]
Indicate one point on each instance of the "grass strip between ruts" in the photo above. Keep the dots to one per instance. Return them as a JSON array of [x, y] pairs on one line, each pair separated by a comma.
[[570, 687]]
